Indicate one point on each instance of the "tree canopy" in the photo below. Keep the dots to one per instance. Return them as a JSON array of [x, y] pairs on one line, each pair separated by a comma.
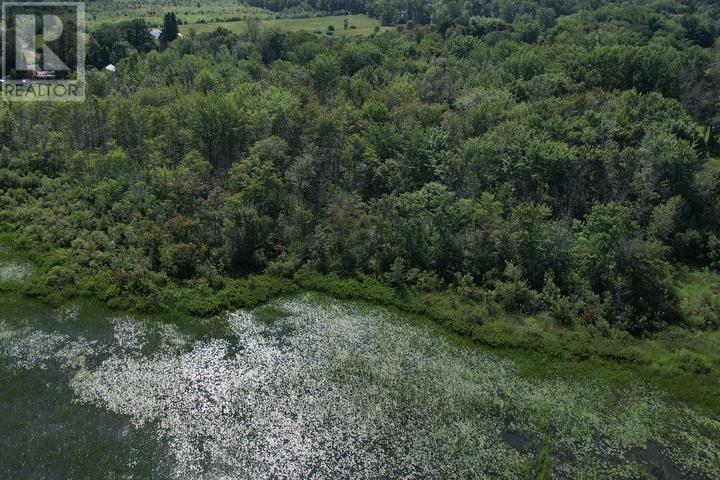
[[548, 156]]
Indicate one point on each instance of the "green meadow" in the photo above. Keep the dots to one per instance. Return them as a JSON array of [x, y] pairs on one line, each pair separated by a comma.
[[152, 11], [208, 16], [357, 25]]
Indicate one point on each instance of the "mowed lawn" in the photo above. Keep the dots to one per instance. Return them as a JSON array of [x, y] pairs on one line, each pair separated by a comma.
[[363, 24]]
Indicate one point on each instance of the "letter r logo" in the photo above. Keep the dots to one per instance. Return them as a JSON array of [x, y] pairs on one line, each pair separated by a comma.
[[25, 48], [43, 50]]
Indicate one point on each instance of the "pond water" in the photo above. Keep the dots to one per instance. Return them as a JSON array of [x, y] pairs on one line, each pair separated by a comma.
[[309, 387]]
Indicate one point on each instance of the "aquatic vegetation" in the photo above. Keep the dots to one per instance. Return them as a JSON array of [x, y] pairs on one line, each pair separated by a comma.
[[311, 387], [14, 271]]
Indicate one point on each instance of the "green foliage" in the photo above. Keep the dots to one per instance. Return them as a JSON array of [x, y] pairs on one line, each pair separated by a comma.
[[683, 362], [169, 31], [629, 272], [700, 298], [546, 159]]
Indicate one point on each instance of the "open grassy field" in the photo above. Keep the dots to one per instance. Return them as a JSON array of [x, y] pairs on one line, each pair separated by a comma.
[[189, 11], [206, 16], [363, 25]]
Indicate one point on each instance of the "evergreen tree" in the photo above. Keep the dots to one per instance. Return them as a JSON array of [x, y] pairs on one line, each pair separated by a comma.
[[169, 31]]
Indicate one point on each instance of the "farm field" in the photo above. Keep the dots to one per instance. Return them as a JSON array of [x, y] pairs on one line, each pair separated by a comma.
[[363, 24], [208, 16], [111, 11]]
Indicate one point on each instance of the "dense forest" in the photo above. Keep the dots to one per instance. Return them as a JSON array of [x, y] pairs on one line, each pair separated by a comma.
[[543, 157]]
